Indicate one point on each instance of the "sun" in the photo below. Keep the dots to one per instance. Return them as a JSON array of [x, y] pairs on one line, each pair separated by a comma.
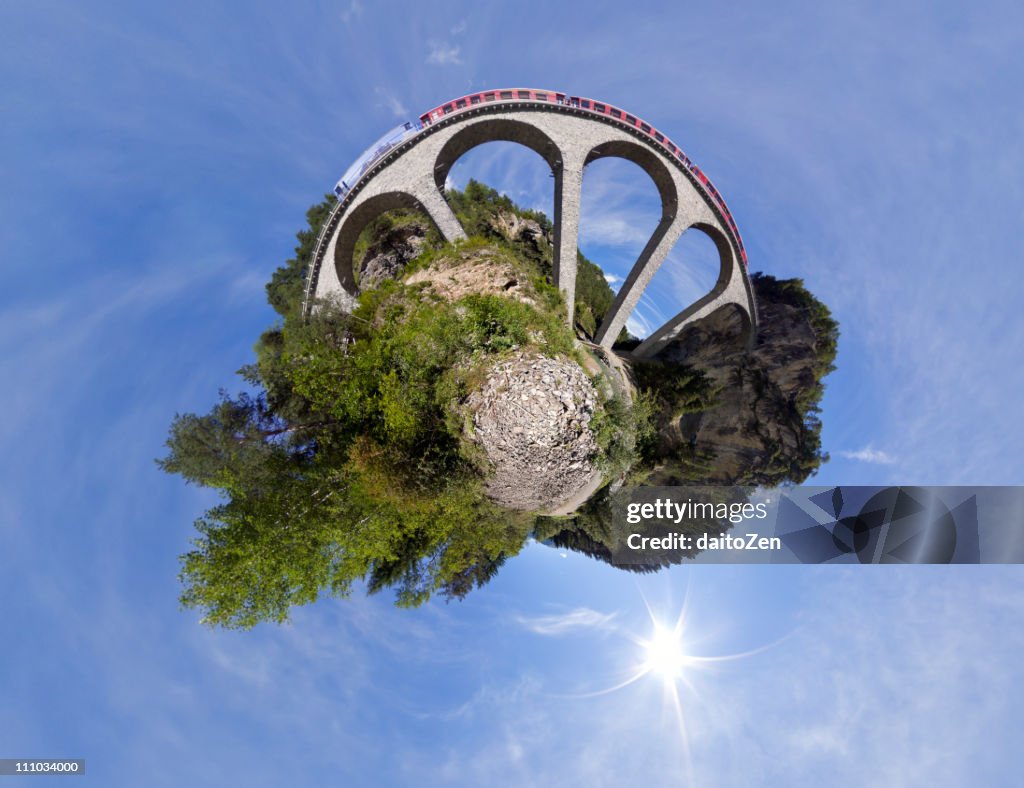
[[665, 653]]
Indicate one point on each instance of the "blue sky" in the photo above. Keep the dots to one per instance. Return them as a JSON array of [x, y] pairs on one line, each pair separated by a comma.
[[155, 164]]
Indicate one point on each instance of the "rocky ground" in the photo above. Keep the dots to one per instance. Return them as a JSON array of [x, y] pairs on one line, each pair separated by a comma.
[[532, 419], [478, 272]]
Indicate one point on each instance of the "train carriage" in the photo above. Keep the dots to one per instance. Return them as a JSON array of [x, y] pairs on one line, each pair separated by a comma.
[[407, 130]]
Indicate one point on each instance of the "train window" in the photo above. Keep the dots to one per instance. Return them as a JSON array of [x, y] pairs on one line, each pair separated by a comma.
[[474, 100], [488, 97], [599, 107], [506, 94], [541, 96], [524, 94], [659, 138], [585, 104], [615, 113], [448, 109], [460, 103], [646, 129], [631, 120]]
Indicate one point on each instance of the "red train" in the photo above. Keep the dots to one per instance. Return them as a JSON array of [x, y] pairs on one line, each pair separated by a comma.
[[599, 108]]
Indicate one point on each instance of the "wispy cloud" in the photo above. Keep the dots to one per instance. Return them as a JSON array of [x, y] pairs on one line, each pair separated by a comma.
[[868, 454], [353, 11], [612, 228], [443, 54], [581, 618], [815, 708], [460, 28], [392, 102]]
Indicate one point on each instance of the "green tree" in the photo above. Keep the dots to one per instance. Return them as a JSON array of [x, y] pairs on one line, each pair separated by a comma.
[[286, 287], [346, 460]]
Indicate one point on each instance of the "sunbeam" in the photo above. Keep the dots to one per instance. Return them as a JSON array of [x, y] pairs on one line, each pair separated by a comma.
[[664, 653]]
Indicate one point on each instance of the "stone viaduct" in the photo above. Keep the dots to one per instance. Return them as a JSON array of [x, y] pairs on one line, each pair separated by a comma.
[[568, 138]]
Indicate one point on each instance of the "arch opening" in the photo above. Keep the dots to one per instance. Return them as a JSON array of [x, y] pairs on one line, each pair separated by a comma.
[[648, 161], [355, 222], [511, 169], [620, 209], [488, 130], [691, 310], [612, 325], [727, 326], [694, 268]]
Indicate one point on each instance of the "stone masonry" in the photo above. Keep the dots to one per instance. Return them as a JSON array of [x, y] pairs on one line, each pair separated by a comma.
[[413, 175]]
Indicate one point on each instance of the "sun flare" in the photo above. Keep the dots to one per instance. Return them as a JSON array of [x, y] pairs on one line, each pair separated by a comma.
[[664, 653], [668, 654]]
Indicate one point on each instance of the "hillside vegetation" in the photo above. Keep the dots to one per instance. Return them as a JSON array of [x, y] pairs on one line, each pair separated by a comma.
[[379, 448], [351, 457]]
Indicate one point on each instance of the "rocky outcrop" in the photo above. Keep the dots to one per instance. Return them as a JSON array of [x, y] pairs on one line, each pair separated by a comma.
[[532, 419], [519, 229], [759, 431], [482, 273], [386, 259]]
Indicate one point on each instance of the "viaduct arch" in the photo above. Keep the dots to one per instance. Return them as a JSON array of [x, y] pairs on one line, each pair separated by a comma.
[[413, 174]]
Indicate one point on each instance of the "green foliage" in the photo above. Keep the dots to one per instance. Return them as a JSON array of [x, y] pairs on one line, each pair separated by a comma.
[[476, 208], [350, 461], [675, 389], [287, 285], [594, 296], [477, 205], [621, 427], [376, 485]]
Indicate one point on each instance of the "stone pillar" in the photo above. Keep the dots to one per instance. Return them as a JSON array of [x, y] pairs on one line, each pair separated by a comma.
[[441, 213], [646, 266], [568, 193], [730, 289]]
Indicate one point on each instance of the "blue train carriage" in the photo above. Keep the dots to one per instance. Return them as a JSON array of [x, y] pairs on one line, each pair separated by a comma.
[[373, 154]]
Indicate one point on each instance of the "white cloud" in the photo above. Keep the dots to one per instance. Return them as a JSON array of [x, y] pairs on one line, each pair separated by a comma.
[[868, 454], [612, 279], [443, 54], [394, 105], [614, 228], [559, 624], [816, 709], [460, 28], [354, 10]]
